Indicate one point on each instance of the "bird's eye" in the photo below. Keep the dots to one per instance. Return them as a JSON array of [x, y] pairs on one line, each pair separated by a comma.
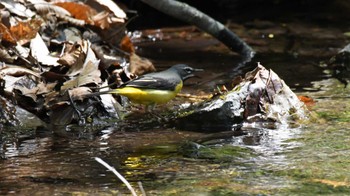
[[188, 69]]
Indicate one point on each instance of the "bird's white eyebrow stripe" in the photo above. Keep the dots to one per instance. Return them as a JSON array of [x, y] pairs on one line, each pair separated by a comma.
[[148, 80]]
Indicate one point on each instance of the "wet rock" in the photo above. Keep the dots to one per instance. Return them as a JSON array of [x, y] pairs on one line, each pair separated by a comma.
[[261, 96], [7, 114], [340, 64], [14, 116]]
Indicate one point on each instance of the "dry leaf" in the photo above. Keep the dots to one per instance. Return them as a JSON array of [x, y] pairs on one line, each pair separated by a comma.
[[108, 57], [10, 82], [126, 45], [101, 20], [89, 74], [44, 8], [79, 11], [113, 7], [89, 57], [51, 98], [6, 35], [73, 55], [14, 70], [79, 93], [17, 8], [25, 31], [308, 101], [5, 56], [22, 51], [43, 88], [72, 35], [41, 53], [40, 89], [139, 66]]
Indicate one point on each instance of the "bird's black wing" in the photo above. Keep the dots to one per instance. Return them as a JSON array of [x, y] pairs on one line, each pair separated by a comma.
[[153, 82]]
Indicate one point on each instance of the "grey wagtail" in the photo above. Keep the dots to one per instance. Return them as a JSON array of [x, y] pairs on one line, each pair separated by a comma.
[[156, 88]]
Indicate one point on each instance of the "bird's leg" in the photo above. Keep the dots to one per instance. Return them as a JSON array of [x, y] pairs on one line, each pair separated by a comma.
[[150, 107], [150, 110], [81, 120]]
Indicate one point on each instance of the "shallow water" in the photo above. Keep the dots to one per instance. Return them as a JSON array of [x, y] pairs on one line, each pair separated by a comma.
[[305, 159]]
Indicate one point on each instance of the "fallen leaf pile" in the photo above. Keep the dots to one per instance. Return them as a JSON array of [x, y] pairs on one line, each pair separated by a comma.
[[52, 53]]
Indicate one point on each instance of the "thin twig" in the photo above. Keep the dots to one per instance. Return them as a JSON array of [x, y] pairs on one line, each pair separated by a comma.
[[141, 188], [110, 168]]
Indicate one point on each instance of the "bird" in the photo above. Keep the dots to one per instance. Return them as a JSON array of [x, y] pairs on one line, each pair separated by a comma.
[[156, 88]]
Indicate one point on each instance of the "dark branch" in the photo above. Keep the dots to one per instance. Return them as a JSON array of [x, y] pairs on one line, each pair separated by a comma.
[[204, 22]]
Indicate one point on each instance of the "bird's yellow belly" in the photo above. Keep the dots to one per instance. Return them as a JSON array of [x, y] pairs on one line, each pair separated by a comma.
[[148, 96]]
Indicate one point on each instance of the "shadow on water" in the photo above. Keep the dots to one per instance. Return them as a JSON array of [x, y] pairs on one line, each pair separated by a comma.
[[286, 160]]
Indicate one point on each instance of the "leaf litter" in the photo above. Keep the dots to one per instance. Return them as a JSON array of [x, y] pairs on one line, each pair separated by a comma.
[[53, 53]]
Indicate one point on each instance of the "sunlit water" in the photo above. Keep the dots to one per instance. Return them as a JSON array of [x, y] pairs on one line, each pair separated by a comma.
[[49, 164]]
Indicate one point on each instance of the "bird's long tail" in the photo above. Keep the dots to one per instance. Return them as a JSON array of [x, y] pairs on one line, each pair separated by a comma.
[[113, 91]]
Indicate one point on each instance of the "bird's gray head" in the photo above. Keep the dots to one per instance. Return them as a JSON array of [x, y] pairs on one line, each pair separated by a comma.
[[185, 71]]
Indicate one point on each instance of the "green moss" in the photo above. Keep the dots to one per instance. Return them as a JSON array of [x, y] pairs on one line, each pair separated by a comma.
[[224, 153], [342, 116], [316, 188], [221, 191], [185, 113]]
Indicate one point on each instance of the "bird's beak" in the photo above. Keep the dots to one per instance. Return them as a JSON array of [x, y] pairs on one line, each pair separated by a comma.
[[192, 74], [196, 70]]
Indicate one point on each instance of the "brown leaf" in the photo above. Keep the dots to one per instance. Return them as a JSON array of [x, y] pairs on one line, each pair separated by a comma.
[[79, 93], [89, 74], [84, 54], [139, 66], [44, 8], [107, 56], [25, 31], [73, 55], [6, 34], [14, 70], [308, 101], [53, 98], [40, 89], [127, 45], [79, 11]]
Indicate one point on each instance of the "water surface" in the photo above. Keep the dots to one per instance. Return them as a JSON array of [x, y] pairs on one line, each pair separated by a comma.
[[308, 158]]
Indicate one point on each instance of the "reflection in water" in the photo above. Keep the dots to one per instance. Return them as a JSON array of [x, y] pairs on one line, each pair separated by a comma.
[[49, 164], [10, 150]]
